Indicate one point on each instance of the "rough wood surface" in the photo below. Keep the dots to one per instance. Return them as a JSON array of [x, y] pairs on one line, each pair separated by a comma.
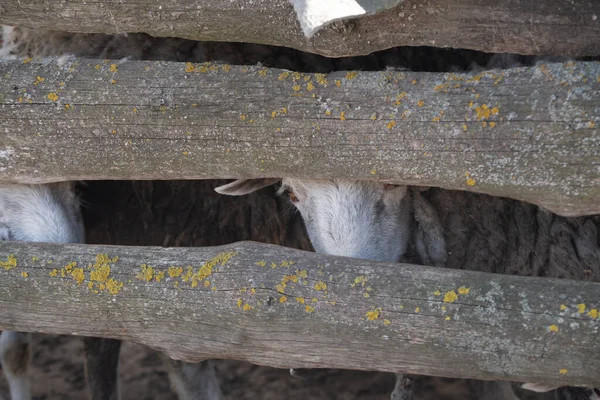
[[284, 308], [527, 27], [528, 133]]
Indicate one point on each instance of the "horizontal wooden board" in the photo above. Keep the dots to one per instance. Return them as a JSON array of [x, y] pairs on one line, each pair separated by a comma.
[[526, 27], [284, 308], [531, 134]]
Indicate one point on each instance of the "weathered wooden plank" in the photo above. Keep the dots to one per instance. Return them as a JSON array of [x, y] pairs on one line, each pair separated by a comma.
[[284, 308], [529, 133], [527, 27]]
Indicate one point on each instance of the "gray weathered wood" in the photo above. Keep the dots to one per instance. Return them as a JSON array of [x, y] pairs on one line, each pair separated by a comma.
[[527, 27], [529, 133], [275, 306]]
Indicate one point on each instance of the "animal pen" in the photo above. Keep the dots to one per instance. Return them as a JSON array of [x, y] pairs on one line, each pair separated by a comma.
[[530, 133]]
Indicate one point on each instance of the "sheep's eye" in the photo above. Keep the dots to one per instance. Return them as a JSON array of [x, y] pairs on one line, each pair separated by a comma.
[[292, 196], [387, 186]]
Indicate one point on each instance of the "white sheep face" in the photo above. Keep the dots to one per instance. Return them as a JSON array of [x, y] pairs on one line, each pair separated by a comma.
[[40, 213], [358, 219]]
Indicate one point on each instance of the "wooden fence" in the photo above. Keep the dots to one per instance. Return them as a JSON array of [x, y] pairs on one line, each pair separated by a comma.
[[528, 133]]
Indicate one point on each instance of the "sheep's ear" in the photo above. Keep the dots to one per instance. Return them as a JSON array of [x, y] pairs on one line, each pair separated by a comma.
[[245, 186], [538, 387]]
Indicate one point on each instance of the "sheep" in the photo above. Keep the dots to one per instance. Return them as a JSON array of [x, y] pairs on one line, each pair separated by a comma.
[[367, 219], [51, 213], [34, 213], [186, 213]]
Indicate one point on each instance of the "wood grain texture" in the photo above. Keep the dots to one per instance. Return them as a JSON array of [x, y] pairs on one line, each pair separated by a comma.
[[279, 307], [526, 27], [531, 134]]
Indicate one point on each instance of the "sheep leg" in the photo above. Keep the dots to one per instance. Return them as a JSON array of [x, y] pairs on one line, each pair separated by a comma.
[[15, 355], [403, 388], [102, 368], [430, 241], [193, 381]]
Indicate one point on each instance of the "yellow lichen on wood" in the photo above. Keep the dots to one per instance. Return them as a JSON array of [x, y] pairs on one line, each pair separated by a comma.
[[581, 308], [450, 297], [52, 96], [302, 273], [159, 276], [447, 318], [175, 272], [147, 273], [343, 115], [593, 313], [386, 322], [261, 263], [113, 68], [464, 290], [563, 371], [351, 75], [471, 182], [553, 328], [437, 293], [100, 275], [373, 314], [321, 80], [79, 275], [359, 280], [320, 285], [391, 124], [283, 75], [10, 263], [418, 310], [24, 274], [247, 307], [309, 309], [563, 307], [300, 300], [420, 103], [283, 299]]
